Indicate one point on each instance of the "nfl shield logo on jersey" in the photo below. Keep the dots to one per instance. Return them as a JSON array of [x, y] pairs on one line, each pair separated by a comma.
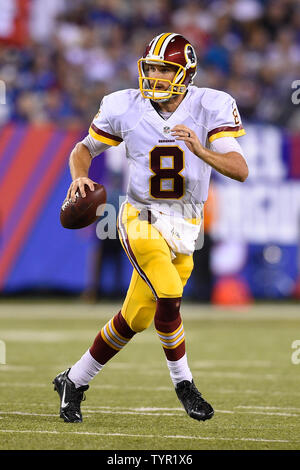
[[167, 130]]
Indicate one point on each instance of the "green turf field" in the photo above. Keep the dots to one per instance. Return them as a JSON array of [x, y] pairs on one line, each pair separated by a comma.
[[241, 361]]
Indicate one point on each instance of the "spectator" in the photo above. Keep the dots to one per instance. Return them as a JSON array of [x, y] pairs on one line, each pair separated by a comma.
[[75, 55]]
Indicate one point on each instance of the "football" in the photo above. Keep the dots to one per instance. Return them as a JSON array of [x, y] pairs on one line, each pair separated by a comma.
[[84, 211]]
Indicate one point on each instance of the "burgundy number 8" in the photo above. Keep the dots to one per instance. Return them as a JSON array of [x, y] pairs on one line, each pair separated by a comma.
[[161, 174]]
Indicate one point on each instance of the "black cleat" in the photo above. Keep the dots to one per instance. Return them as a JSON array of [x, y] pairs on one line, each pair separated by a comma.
[[70, 397], [192, 401]]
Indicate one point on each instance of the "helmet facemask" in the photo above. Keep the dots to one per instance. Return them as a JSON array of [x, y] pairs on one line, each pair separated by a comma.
[[176, 86]]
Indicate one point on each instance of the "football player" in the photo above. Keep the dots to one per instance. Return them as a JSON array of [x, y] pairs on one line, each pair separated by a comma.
[[174, 134]]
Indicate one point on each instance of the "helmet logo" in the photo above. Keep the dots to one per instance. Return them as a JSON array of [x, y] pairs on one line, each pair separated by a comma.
[[190, 56]]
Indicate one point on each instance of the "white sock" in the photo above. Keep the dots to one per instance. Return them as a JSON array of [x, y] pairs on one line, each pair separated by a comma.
[[179, 370], [84, 370]]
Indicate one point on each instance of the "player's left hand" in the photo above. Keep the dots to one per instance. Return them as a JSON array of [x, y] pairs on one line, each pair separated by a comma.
[[181, 132]]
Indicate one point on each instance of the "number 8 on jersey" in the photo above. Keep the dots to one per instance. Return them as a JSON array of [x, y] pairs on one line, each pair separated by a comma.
[[166, 164]]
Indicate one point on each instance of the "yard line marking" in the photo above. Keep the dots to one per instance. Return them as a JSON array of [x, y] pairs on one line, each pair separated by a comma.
[[116, 412], [134, 411], [151, 411], [108, 409], [24, 413], [261, 392], [112, 411], [269, 414], [231, 439], [291, 408], [151, 436], [124, 408]]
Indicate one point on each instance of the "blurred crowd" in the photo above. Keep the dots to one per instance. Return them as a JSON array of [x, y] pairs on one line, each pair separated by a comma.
[[59, 57]]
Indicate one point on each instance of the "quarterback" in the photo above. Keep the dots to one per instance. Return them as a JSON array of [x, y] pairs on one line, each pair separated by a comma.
[[174, 134]]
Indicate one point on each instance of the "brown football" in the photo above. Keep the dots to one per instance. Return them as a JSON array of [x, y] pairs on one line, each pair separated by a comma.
[[84, 211]]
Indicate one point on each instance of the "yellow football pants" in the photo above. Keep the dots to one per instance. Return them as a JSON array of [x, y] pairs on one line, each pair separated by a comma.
[[155, 275]]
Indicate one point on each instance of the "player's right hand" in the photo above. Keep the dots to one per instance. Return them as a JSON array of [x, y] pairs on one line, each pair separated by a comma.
[[79, 183]]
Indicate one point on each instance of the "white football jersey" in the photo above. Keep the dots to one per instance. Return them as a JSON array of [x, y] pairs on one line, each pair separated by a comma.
[[163, 172]]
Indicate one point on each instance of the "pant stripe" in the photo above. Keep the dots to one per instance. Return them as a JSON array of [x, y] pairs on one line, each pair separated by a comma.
[[129, 252]]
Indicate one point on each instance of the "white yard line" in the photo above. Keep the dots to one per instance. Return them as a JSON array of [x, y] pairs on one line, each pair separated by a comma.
[[261, 392], [24, 413], [269, 413], [148, 412], [143, 436], [108, 409], [280, 408], [157, 410]]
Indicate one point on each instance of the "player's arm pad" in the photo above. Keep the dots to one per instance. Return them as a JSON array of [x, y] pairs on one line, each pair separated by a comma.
[[225, 145]]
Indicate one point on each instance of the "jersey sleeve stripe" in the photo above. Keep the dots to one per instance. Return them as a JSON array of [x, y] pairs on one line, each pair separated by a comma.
[[225, 131], [104, 137]]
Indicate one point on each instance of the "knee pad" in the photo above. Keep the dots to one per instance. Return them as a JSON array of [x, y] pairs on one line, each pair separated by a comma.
[[139, 312]]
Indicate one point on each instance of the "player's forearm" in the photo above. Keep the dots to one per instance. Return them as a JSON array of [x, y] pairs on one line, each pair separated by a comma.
[[231, 164], [80, 161]]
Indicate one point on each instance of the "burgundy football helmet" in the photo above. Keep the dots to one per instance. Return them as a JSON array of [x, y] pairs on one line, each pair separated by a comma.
[[172, 49]]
